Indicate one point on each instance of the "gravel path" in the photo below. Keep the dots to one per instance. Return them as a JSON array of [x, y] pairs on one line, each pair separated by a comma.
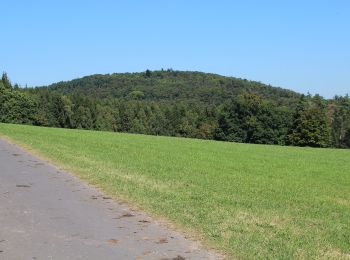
[[46, 213]]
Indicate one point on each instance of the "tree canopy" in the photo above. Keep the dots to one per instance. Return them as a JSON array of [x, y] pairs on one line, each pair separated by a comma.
[[186, 104]]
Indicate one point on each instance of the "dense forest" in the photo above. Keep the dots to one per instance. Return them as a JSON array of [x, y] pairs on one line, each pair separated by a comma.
[[186, 104]]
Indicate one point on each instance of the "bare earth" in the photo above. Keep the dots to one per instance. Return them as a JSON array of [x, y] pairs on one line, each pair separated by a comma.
[[46, 213]]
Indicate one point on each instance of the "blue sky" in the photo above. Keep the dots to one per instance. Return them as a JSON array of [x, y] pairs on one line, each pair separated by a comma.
[[300, 45]]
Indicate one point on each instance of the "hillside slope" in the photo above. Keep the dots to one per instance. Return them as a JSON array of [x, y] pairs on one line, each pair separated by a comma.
[[186, 104], [171, 85]]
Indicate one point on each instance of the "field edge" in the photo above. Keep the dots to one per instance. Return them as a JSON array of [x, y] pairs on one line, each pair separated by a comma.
[[191, 234]]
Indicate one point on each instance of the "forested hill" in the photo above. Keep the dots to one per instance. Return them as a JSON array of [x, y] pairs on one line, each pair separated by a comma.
[[171, 85], [184, 104]]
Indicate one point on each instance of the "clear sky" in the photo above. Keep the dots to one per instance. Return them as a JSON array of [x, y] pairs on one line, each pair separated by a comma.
[[302, 45]]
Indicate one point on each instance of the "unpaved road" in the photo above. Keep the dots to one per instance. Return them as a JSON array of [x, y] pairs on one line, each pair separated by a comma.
[[46, 213]]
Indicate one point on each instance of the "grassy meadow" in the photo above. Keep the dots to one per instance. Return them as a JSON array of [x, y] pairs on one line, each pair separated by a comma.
[[251, 201]]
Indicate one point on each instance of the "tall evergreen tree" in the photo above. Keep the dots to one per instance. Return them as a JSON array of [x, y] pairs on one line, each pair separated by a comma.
[[6, 81]]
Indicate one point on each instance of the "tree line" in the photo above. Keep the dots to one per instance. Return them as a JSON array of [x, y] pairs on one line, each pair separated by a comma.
[[183, 104]]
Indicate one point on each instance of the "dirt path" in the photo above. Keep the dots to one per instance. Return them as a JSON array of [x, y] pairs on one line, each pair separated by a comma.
[[46, 213]]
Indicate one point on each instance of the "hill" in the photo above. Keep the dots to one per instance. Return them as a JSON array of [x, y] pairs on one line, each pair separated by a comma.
[[171, 85], [184, 104]]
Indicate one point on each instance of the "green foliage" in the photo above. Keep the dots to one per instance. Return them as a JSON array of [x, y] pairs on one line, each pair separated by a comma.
[[175, 103], [15, 107], [172, 85], [185, 104], [148, 73], [339, 114], [6, 81], [252, 120], [310, 127], [346, 139], [136, 94]]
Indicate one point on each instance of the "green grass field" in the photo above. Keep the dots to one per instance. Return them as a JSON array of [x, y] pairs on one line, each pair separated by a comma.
[[251, 201]]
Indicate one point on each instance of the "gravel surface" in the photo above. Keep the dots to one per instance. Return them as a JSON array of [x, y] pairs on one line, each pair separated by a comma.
[[46, 213]]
